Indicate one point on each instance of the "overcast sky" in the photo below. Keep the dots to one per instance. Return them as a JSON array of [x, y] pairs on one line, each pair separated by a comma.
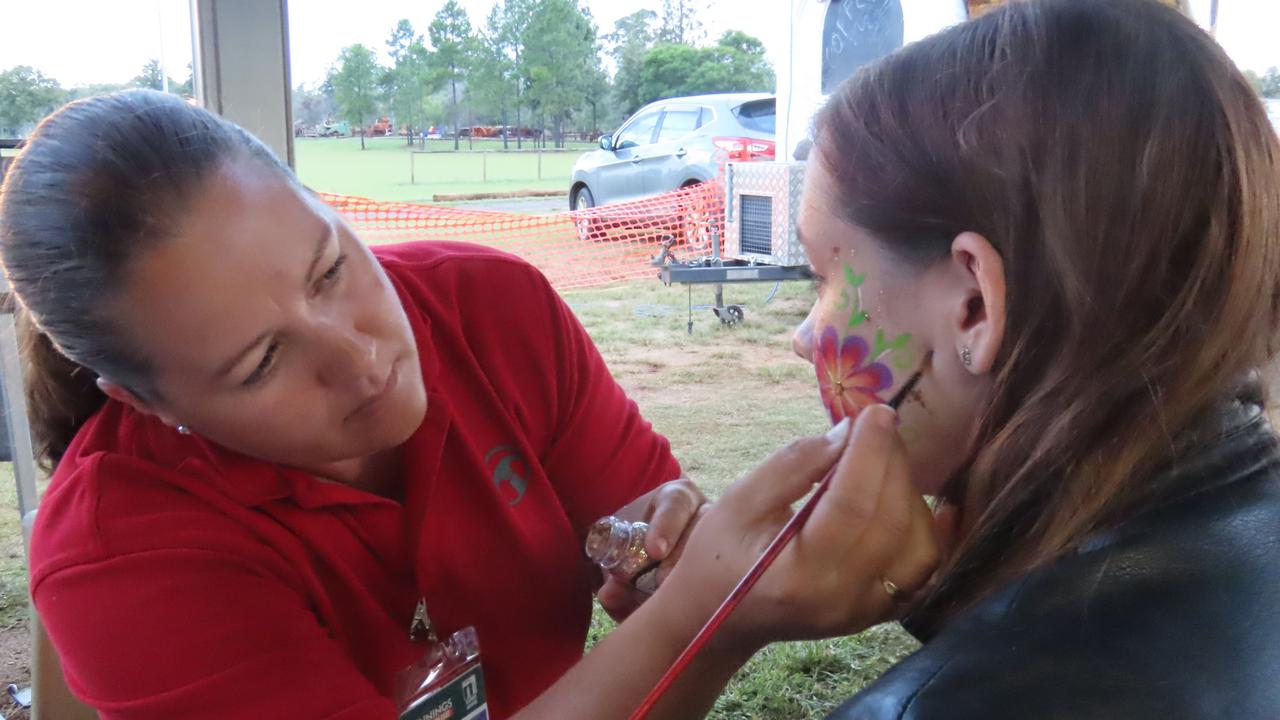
[[80, 42]]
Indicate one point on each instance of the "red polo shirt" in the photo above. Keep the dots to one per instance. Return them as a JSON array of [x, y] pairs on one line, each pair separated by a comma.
[[178, 580]]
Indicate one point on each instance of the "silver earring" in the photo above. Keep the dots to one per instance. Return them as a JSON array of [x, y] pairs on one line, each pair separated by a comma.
[[966, 356], [183, 429]]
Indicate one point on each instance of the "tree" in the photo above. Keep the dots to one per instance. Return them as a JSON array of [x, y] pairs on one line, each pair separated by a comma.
[[151, 77], [734, 64], [632, 38], [596, 93], [311, 107], [453, 45], [1271, 83], [409, 82], [354, 79], [84, 91], [26, 96], [1254, 80], [561, 57], [516, 17], [680, 23], [186, 88], [669, 70], [493, 78]]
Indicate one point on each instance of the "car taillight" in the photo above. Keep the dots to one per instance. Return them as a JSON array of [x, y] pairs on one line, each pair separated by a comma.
[[745, 149], [735, 147], [761, 149]]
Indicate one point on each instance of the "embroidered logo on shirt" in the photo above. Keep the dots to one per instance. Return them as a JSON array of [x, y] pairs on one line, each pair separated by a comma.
[[505, 464]]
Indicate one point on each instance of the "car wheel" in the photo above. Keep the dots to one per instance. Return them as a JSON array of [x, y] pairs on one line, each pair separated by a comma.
[[589, 229]]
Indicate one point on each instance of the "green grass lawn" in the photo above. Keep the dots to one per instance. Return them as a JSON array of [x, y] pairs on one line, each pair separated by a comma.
[[381, 172]]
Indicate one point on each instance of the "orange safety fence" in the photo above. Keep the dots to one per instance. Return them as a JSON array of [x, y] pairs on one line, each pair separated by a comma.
[[582, 248]]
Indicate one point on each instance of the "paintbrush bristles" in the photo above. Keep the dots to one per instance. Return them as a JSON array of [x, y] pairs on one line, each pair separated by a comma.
[[900, 396]]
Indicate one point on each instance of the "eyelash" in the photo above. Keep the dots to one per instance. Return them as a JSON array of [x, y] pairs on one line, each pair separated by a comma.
[[330, 277], [263, 367], [334, 272]]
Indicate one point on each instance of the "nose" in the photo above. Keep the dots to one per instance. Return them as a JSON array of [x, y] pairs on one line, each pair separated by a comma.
[[802, 340], [352, 359]]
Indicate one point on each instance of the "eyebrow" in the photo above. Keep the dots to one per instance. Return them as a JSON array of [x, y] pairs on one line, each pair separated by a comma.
[[325, 235], [321, 246]]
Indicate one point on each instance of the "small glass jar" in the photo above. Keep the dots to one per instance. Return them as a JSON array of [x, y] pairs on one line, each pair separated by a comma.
[[617, 546]]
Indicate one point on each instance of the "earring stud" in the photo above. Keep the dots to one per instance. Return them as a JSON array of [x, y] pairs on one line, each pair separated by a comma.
[[183, 429], [966, 356]]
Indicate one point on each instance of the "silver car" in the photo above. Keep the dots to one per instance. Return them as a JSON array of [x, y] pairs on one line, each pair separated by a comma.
[[674, 143]]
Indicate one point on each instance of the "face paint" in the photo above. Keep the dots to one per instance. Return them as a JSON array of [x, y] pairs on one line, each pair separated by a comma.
[[853, 373], [847, 378], [852, 294], [903, 358]]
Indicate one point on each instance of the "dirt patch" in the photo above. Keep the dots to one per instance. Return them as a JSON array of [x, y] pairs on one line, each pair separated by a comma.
[[15, 668]]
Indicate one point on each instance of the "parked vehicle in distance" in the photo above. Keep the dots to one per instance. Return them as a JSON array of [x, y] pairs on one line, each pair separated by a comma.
[[381, 127], [334, 129], [674, 143]]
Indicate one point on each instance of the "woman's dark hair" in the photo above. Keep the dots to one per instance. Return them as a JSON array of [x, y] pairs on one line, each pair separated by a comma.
[[98, 181], [1128, 176]]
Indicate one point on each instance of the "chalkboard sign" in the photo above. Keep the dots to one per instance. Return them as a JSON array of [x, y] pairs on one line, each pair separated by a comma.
[[857, 32]]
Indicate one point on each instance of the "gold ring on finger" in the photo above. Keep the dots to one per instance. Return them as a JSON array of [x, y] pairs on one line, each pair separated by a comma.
[[890, 587]]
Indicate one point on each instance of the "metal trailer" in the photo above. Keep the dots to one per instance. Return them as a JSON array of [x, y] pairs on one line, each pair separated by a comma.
[[720, 272], [758, 243]]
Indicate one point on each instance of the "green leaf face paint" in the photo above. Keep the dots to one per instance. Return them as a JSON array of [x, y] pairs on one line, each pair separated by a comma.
[[853, 294]]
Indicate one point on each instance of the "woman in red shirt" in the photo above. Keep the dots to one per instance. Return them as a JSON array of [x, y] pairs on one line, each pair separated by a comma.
[[283, 459]]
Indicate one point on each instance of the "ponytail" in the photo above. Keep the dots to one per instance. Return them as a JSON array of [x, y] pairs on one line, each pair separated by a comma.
[[61, 395]]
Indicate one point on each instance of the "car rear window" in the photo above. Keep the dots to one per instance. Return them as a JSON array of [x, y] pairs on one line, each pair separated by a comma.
[[758, 115]]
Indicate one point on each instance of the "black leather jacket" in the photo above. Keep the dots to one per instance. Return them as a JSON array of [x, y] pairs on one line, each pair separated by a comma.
[[1173, 615]]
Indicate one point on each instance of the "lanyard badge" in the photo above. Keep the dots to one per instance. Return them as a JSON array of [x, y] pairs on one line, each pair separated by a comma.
[[448, 682]]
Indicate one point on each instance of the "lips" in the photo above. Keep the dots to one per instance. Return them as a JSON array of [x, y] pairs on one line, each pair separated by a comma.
[[374, 404]]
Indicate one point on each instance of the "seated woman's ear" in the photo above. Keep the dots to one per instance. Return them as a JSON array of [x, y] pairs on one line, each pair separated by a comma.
[[977, 315]]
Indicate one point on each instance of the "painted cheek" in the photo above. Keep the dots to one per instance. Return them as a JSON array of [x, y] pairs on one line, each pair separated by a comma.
[[849, 377], [857, 360]]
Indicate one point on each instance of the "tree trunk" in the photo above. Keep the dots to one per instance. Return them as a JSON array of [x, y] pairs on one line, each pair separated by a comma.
[[471, 136], [505, 133], [519, 134], [453, 84]]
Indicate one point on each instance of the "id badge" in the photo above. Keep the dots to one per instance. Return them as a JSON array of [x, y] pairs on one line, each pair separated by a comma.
[[447, 684]]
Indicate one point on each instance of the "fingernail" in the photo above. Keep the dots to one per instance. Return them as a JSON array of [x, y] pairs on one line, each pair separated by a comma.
[[884, 416], [839, 432], [662, 546]]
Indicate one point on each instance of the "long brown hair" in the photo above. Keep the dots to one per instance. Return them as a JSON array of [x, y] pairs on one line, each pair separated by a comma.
[[1128, 176], [98, 181]]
